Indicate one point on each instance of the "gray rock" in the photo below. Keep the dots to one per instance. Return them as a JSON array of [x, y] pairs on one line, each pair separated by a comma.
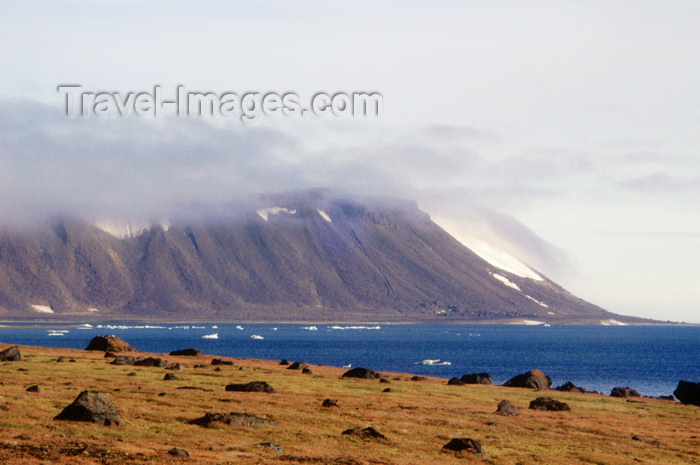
[[11, 354], [505, 407], [465, 444], [548, 404], [91, 406]]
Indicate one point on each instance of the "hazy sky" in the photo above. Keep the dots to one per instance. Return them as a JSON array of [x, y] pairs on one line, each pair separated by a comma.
[[571, 128]]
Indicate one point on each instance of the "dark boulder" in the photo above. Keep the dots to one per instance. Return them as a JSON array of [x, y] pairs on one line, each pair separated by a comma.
[[455, 382], [366, 433], [550, 405], [187, 353], [109, 343], [418, 378], [570, 387], [123, 360], [465, 444], [60, 359], [174, 367], [361, 373], [276, 448], [34, 388], [327, 403], [507, 408], [307, 371], [232, 419], [384, 381], [297, 366], [477, 378], [91, 406], [219, 361], [653, 442], [533, 379], [254, 386], [175, 452], [170, 377], [388, 390], [284, 363], [688, 393], [11, 354], [150, 362], [624, 392]]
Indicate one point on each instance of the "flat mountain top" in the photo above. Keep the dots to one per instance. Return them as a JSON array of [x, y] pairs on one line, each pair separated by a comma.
[[293, 257]]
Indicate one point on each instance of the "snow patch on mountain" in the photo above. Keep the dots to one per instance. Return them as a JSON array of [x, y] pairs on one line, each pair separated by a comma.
[[541, 304], [528, 322], [324, 215], [506, 281], [121, 230], [266, 212], [612, 322], [42, 308], [501, 260], [127, 230]]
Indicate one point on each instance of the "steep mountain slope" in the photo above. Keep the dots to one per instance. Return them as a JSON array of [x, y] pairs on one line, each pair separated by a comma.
[[302, 257]]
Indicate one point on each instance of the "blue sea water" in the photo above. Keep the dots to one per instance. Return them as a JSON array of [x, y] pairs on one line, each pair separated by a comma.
[[651, 359]]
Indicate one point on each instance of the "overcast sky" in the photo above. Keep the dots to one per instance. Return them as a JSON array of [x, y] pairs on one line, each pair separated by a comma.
[[567, 133]]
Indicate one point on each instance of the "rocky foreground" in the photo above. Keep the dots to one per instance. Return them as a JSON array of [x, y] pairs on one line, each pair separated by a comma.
[[99, 406]]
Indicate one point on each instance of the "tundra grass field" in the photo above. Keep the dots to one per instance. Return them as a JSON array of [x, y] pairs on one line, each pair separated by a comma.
[[417, 418]]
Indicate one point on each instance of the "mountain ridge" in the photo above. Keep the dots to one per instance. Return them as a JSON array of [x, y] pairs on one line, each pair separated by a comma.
[[288, 257]]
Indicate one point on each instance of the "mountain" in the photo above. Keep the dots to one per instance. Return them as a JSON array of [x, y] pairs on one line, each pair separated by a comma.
[[306, 256]]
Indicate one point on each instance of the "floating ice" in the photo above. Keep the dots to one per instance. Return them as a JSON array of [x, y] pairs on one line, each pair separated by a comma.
[[324, 215], [356, 327], [211, 336], [239, 327], [433, 362], [256, 336], [310, 328]]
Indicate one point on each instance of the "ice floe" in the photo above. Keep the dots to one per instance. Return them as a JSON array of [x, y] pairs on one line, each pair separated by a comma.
[[324, 215], [211, 336], [310, 328], [256, 336], [433, 362], [528, 322], [130, 327], [356, 327]]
